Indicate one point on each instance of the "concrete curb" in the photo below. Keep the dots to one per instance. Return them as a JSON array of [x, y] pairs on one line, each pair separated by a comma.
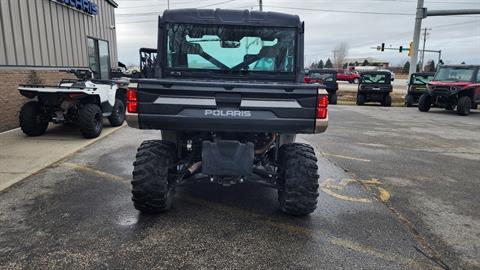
[[23, 156]]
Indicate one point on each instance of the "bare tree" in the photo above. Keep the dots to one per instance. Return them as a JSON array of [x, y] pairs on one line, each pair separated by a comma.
[[340, 52]]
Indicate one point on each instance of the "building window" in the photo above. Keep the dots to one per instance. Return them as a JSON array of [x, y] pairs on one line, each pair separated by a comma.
[[99, 58]]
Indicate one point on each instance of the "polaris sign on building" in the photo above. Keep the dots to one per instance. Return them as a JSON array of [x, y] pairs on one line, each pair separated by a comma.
[[41, 38], [84, 5]]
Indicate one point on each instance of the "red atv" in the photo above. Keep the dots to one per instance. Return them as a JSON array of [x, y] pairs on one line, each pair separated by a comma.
[[453, 87]]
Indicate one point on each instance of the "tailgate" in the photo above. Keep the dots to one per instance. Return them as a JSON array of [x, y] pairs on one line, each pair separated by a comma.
[[222, 106]]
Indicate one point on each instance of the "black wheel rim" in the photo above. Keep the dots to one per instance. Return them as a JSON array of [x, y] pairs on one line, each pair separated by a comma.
[[120, 112], [98, 121]]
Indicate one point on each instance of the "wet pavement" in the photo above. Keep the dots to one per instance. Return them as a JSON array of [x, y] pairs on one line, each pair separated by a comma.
[[78, 214], [427, 163]]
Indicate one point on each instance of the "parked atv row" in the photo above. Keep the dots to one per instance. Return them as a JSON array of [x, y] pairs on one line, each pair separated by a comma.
[[84, 102], [372, 86], [452, 87]]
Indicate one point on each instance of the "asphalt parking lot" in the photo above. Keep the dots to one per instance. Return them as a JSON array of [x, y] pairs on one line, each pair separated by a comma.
[[398, 191], [427, 162]]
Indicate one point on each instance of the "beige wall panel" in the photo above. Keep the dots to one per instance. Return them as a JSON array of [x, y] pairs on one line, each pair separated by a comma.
[[34, 33], [3, 54], [51, 48], [59, 46], [10, 49], [72, 36], [26, 32], [42, 33], [67, 35], [45, 33], [17, 32]]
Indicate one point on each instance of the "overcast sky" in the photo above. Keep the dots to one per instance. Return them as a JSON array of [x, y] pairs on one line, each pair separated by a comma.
[[457, 36]]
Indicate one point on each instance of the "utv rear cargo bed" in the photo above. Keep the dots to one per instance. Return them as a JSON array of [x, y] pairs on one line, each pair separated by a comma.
[[221, 106]]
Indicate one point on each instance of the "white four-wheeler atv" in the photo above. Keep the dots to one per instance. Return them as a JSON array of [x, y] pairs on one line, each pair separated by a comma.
[[83, 102]]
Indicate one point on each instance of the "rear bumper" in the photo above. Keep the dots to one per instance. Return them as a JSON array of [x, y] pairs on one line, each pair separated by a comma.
[[132, 120], [200, 123], [417, 93], [321, 125], [374, 92], [171, 122], [167, 123]]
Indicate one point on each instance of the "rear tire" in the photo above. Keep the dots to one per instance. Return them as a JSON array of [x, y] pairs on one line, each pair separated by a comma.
[[409, 101], [360, 99], [298, 183], [333, 99], [90, 120], [387, 101], [118, 113], [153, 188], [425, 103], [464, 105], [33, 120]]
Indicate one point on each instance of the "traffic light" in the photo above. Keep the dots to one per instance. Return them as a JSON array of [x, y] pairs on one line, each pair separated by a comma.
[[382, 48], [400, 49], [410, 49]]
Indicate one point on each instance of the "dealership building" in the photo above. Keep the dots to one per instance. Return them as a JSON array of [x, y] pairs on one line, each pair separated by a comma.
[[40, 39]]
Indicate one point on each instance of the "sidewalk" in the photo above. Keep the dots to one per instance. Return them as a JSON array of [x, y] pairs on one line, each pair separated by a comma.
[[22, 156]]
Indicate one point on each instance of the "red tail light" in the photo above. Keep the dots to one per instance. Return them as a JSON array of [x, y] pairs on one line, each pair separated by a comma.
[[132, 102], [306, 79], [74, 95], [322, 107]]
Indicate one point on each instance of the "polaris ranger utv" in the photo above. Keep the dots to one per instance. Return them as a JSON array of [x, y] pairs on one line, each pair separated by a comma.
[[325, 77], [228, 97], [417, 86], [375, 86], [455, 86]]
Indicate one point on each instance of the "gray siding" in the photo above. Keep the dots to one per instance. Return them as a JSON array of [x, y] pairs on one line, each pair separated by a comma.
[[45, 33]]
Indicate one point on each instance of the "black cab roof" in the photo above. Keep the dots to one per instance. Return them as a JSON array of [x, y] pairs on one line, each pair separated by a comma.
[[376, 72], [231, 17], [423, 73], [461, 66]]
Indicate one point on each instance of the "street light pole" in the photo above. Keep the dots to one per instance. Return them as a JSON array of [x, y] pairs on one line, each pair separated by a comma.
[[416, 36], [431, 13], [423, 13], [168, 4], [260, 5]]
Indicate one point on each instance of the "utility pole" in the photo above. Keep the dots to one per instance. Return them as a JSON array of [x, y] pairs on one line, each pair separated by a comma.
[[260, 5], [425, 34], [416, 36], [421, 14], [168, 4]]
